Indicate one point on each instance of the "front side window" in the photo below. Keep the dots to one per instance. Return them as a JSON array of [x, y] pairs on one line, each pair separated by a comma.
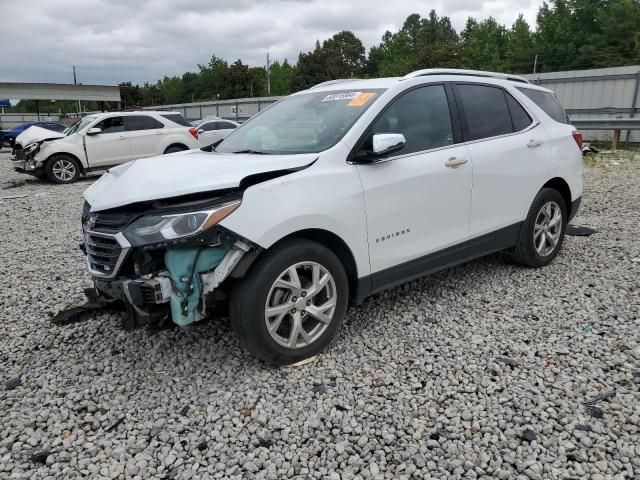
[[305, 123], [225, 126], [111, 125], [486, 113], [422, 116], [548, 102]]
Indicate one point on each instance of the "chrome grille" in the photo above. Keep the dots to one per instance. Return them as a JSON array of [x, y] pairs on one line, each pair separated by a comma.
[[105, 253]]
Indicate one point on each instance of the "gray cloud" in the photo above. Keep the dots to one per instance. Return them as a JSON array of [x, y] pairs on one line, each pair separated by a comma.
[[119, 40]]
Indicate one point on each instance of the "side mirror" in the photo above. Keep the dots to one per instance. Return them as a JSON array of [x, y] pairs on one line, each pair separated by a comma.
[[200, 130], [94, 131], [384, 143]]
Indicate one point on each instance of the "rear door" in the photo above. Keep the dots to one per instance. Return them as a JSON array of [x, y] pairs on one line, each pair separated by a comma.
[[144, 133], [110, 146], [509, 153], [418, 199]]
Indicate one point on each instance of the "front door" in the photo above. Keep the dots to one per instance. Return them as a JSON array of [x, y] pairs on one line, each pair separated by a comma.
[[418, 199], [110, 146]]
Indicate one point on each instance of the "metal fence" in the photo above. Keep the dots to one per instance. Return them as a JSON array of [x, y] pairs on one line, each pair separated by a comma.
[[239, 109], [10, 120], [600, 94]]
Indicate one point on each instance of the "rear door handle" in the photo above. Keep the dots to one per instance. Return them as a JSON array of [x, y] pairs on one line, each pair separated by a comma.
[[534, 143], [122, 137], [455, 162]]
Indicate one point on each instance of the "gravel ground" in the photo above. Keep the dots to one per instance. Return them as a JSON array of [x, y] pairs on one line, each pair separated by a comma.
[[481, 371]]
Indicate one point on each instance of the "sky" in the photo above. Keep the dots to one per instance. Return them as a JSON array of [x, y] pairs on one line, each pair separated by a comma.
[[111, 41]]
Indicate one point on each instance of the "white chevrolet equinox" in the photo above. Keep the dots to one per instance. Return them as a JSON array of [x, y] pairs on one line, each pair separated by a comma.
[[331, 195]]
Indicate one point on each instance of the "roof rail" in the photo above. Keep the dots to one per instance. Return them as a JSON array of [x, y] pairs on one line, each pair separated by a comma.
[[472, 73], [334, 82]]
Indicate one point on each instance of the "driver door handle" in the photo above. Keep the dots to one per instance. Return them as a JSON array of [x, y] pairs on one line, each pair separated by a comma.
[[455, 162], [534, 143]]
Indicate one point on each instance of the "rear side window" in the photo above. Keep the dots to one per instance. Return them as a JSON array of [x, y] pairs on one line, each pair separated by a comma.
[[519, 116], [225, 126], [422, 116], [142, 122], [177, 118], [486, 113], [548, 102], [207, 127]]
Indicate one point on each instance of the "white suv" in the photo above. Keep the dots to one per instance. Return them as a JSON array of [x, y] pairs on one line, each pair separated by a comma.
[[214, 129], [101, 141], [333, 194]]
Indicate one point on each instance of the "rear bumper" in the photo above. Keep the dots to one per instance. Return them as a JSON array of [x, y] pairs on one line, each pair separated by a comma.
[[575, 205]]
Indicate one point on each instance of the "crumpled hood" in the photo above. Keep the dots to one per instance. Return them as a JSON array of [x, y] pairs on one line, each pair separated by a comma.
[[37, 134], [182, 173]]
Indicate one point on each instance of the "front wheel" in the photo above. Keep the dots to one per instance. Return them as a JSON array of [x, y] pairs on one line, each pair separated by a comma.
[[542, 233], [62, 169], [292, 302]]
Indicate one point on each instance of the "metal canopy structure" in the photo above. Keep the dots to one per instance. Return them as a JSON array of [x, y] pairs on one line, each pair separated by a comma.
[[59, 91]]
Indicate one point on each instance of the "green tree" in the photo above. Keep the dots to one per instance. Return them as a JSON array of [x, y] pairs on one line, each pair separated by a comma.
[[484, 45], [281, 76], [344, 55], [311, 69], [520, 52], [236, 81]]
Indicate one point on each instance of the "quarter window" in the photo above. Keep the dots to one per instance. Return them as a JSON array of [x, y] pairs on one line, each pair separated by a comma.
[[422, 116], [111, 125], [486, 113], [548, 102]]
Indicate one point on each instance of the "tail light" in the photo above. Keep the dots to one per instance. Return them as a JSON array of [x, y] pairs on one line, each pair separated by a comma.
[[194, 132], [577, 136]]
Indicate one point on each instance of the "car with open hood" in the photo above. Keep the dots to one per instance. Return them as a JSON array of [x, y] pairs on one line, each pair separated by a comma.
[[100, 141], [330, 195], [10, 135]]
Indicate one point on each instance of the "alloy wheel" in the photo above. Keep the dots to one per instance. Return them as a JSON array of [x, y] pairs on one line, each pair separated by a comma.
[[300, 305], [64, 170], [547, 229]]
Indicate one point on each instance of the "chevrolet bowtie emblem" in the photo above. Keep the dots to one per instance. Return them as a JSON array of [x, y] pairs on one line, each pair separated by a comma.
[[90, 223]]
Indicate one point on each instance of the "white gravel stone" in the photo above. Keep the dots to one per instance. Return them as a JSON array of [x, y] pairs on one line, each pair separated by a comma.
[[438, 378]]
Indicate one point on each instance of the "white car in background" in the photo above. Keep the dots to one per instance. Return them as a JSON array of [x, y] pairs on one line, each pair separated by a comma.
[[100, 141], [211, 130]]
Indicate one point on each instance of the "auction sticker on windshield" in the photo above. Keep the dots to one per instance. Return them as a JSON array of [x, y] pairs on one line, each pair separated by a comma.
[[361, 99], [341, 96]]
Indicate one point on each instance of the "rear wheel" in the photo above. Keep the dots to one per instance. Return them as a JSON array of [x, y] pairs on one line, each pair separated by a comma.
[[62, 169], [174, 149], [292, 303], [542, 233]]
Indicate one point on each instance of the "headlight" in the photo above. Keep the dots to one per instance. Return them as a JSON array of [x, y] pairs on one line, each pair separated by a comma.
[[31, 148], [161, 228]]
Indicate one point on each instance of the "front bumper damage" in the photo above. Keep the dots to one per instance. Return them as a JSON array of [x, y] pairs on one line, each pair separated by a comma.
[[180, 281]]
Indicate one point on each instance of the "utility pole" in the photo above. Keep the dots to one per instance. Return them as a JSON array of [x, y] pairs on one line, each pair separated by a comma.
[[535, 63], [268, 75], [75, 82]]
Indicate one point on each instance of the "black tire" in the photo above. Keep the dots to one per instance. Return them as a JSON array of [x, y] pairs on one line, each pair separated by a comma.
[[70, 164], [525, 253], [174, 149], [249, 300]]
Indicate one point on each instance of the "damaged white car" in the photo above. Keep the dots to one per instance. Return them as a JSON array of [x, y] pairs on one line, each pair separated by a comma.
[[333, 194], [100, 141]]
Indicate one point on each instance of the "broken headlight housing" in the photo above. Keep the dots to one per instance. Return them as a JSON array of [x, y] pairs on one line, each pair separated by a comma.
[[31, 149], [167, 228]]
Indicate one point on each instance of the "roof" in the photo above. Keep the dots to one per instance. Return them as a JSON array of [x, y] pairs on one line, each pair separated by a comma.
[[59, 91]]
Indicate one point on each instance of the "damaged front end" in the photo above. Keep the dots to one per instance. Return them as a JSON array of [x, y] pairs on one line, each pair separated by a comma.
[[166, 260]]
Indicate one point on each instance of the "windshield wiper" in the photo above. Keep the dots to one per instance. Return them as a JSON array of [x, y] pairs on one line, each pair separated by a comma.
[[256, 152]]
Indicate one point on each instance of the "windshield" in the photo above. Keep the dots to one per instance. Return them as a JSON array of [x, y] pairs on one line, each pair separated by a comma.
[[306, 123], [79, 125]]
